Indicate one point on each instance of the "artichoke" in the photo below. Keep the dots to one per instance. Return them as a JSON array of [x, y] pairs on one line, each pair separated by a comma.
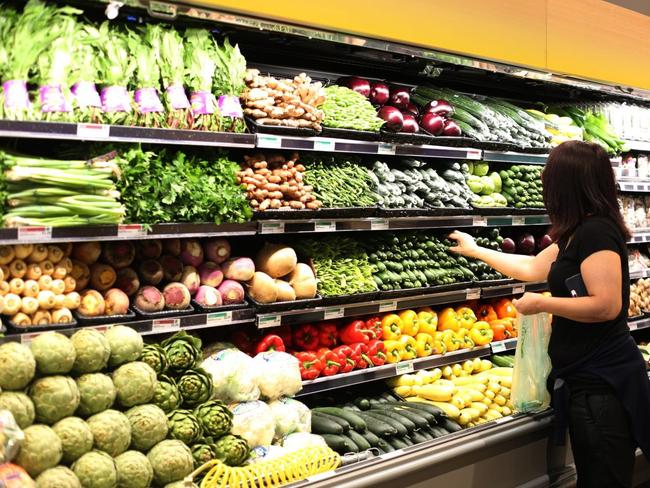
[[166, 394], [54, 353], [148, 426], [133, 470], [125, 344], [195, 386], [20, 406], [184, 426], [54, 397], [215, 418], [135, 383], [111, 431], [41, 449], [171, 461], [59, 477], [96, 393], [232, 449], [202, 453], [92, 351], [17, 366], [183, 351], [76, 438], [96, 469], [154, 355]]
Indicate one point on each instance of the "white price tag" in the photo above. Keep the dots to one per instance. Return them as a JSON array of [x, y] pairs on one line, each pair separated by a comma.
[[640, 187], [404, 368], [517, 289], [34, 233], [633, 325], [268, 141], [501, 420], [101, 328], [324, 226], [272, 228], [386, 148], [28, 338], [387, 306], [473, 294], [93, 131], [165, 325], [334, 313], [218, 318], [473, 154], [518, 220], [323, 145], [498, 347], [479, 221], [131, 231], [266, 321], [379, 224]]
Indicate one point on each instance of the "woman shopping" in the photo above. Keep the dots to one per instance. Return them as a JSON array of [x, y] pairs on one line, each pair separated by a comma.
[[599, 384]]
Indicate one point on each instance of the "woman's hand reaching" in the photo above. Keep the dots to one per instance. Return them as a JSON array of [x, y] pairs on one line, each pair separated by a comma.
[[465, 244]]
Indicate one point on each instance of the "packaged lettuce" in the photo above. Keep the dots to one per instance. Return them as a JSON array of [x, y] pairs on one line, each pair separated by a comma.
[[233, 376]]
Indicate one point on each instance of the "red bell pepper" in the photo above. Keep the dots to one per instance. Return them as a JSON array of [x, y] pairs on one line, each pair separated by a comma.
[[270, 342], [243, 341], [374, 324], [355, 332], [310, 365], [305, 337], [377, 352], [360, 355], [284, 331], [327, 334], [330, 361], [346, 359]]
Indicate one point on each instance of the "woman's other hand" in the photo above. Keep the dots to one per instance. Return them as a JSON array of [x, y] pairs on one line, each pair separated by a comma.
[[530, 303], [465, 244]]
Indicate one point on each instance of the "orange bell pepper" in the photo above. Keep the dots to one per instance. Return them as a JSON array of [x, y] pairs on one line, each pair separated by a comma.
[[466, 317], [448, 319], [505, 309], [428, 322], [510, 325], [498, 330], [486, 313], [391, 327], [481, 333], [410, 324]]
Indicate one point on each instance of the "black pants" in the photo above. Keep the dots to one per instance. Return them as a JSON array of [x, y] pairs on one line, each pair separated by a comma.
[[601, 439]]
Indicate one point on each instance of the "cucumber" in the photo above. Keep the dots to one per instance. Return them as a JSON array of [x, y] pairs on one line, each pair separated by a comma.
[[371, 438], [324, 425], [352, 418], [500, 361], [340, 443], [449, 425], [425, 434], [342, 422], [407, 440], [362, 403], [419, 421], [397, 443], [377, 426], [359, 440], [438, 432], [398, 426], [351, 406], [432, 409], [410, 426], [385, 446]]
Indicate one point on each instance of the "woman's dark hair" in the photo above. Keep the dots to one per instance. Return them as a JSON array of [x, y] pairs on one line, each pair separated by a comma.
[[579, 182]]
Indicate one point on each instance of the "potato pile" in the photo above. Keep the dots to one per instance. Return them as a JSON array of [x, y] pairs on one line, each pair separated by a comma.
[[639, 297], [273, 182], [284, 102]]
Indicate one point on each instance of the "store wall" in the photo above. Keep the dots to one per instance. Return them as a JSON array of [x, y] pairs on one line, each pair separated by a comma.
[[594, 39]]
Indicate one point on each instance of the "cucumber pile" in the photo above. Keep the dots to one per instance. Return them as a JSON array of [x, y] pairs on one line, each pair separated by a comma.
[[522, 186]]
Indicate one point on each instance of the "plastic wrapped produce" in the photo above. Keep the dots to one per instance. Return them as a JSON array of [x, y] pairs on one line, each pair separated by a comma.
[[10, 437], [302, 440], [266, 453], [290, 416], [12, 475], [280, 374], [233, 376], [254, 422]]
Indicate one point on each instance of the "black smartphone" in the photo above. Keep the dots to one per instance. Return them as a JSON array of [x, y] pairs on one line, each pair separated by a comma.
[[576, 286]]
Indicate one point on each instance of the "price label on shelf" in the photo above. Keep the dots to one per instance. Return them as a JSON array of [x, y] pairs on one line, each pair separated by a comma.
[[266, 321], [379, 224], [34, 233], [269, 141], [272, 228], [323, 145], [404, 367], [498, 347], [641, 187], [324, 226], [218, 318], [517, 289], [632, 325], [131, 231], [93, 131], [479, 221], [473, 154], [334, 313], [473, 294], [101, 328], [28, 338], [518, 220], [387, 306], [386, 148], [165, 325]]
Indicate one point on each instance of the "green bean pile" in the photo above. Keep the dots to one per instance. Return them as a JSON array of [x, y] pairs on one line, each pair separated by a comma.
[[347, 109], [339, 183]]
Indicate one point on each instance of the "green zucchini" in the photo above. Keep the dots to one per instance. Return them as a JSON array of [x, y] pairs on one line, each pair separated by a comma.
[[371, 438], [362, 403], [340, 443], [408, 424], [397, 425], [324, 425], [359, 440], [342, 422], [449, 425], [385, 446], [352, 418], [419, 421], [438, 431], [397, 443], [377, 426]]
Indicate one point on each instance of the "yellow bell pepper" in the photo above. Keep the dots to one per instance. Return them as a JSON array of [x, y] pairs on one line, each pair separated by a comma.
[[394, 351], [428, 322], [451, 340], [439, 346], [424, 344], [425, 309], [410, 351], [466, 317], [463, 336], [391, 327], [481, 333], [448, 319], [410, 324]]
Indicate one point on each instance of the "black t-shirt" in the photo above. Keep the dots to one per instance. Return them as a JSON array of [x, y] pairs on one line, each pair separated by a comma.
[[570, 340]]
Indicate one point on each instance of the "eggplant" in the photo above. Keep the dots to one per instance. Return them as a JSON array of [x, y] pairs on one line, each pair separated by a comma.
[[379, 94], [393, 117], [432, 123]]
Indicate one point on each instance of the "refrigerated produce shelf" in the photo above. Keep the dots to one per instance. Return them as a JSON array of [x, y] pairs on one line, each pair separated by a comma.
[[640, 236], [639, 273], [514, 157], [633, 185], [643, 323], [638, 145]]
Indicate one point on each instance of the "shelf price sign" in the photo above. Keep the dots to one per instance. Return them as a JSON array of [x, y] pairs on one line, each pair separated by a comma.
[[272, 228], [387, 306], [93, 131], [218, 318], [131, 231], [165, 325], [404, 367], [34, 233], [333, 313], [498, 347], [266, 321], [324, 226]]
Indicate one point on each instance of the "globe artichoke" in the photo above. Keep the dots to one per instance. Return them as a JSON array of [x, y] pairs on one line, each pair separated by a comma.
[[171, 461], [135, 383], [154, 355], [183, 351], [97, 393], [148, 426], [111, 431], [195, 386], [92, 351], [133, 470], [17, 366], [59, 477], [166, 394], [20, 406], [215, 418], [54, 397], [76, 438], [96, 469], [202, 453], [232, 449], [40, 450], [54, 353], [125, 343], [184, 426]]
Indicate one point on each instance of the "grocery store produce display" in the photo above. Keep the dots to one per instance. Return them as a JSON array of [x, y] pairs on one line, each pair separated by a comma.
[[639, 298]]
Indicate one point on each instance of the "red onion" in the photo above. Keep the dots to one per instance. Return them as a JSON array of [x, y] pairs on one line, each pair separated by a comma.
[[410, 124], [451, 129], [438, 107], [400, 97], [393, 117], [432, 123], [379, 93]]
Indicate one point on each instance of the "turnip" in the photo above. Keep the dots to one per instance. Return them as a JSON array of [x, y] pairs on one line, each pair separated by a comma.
[[127, 281], [208, 296], [119, 254], [217, 250], [276, 260], [285, 292], [149, 299], [191, 252], [303, 281], [262, 288], [151, 272], [177, 296], [92, 303], [102, 276], [190, 278], [117, 303], [86, 252], [240, 269], [210, 274], [149, 249], [172, 246], [231, 292], [172, 267]]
